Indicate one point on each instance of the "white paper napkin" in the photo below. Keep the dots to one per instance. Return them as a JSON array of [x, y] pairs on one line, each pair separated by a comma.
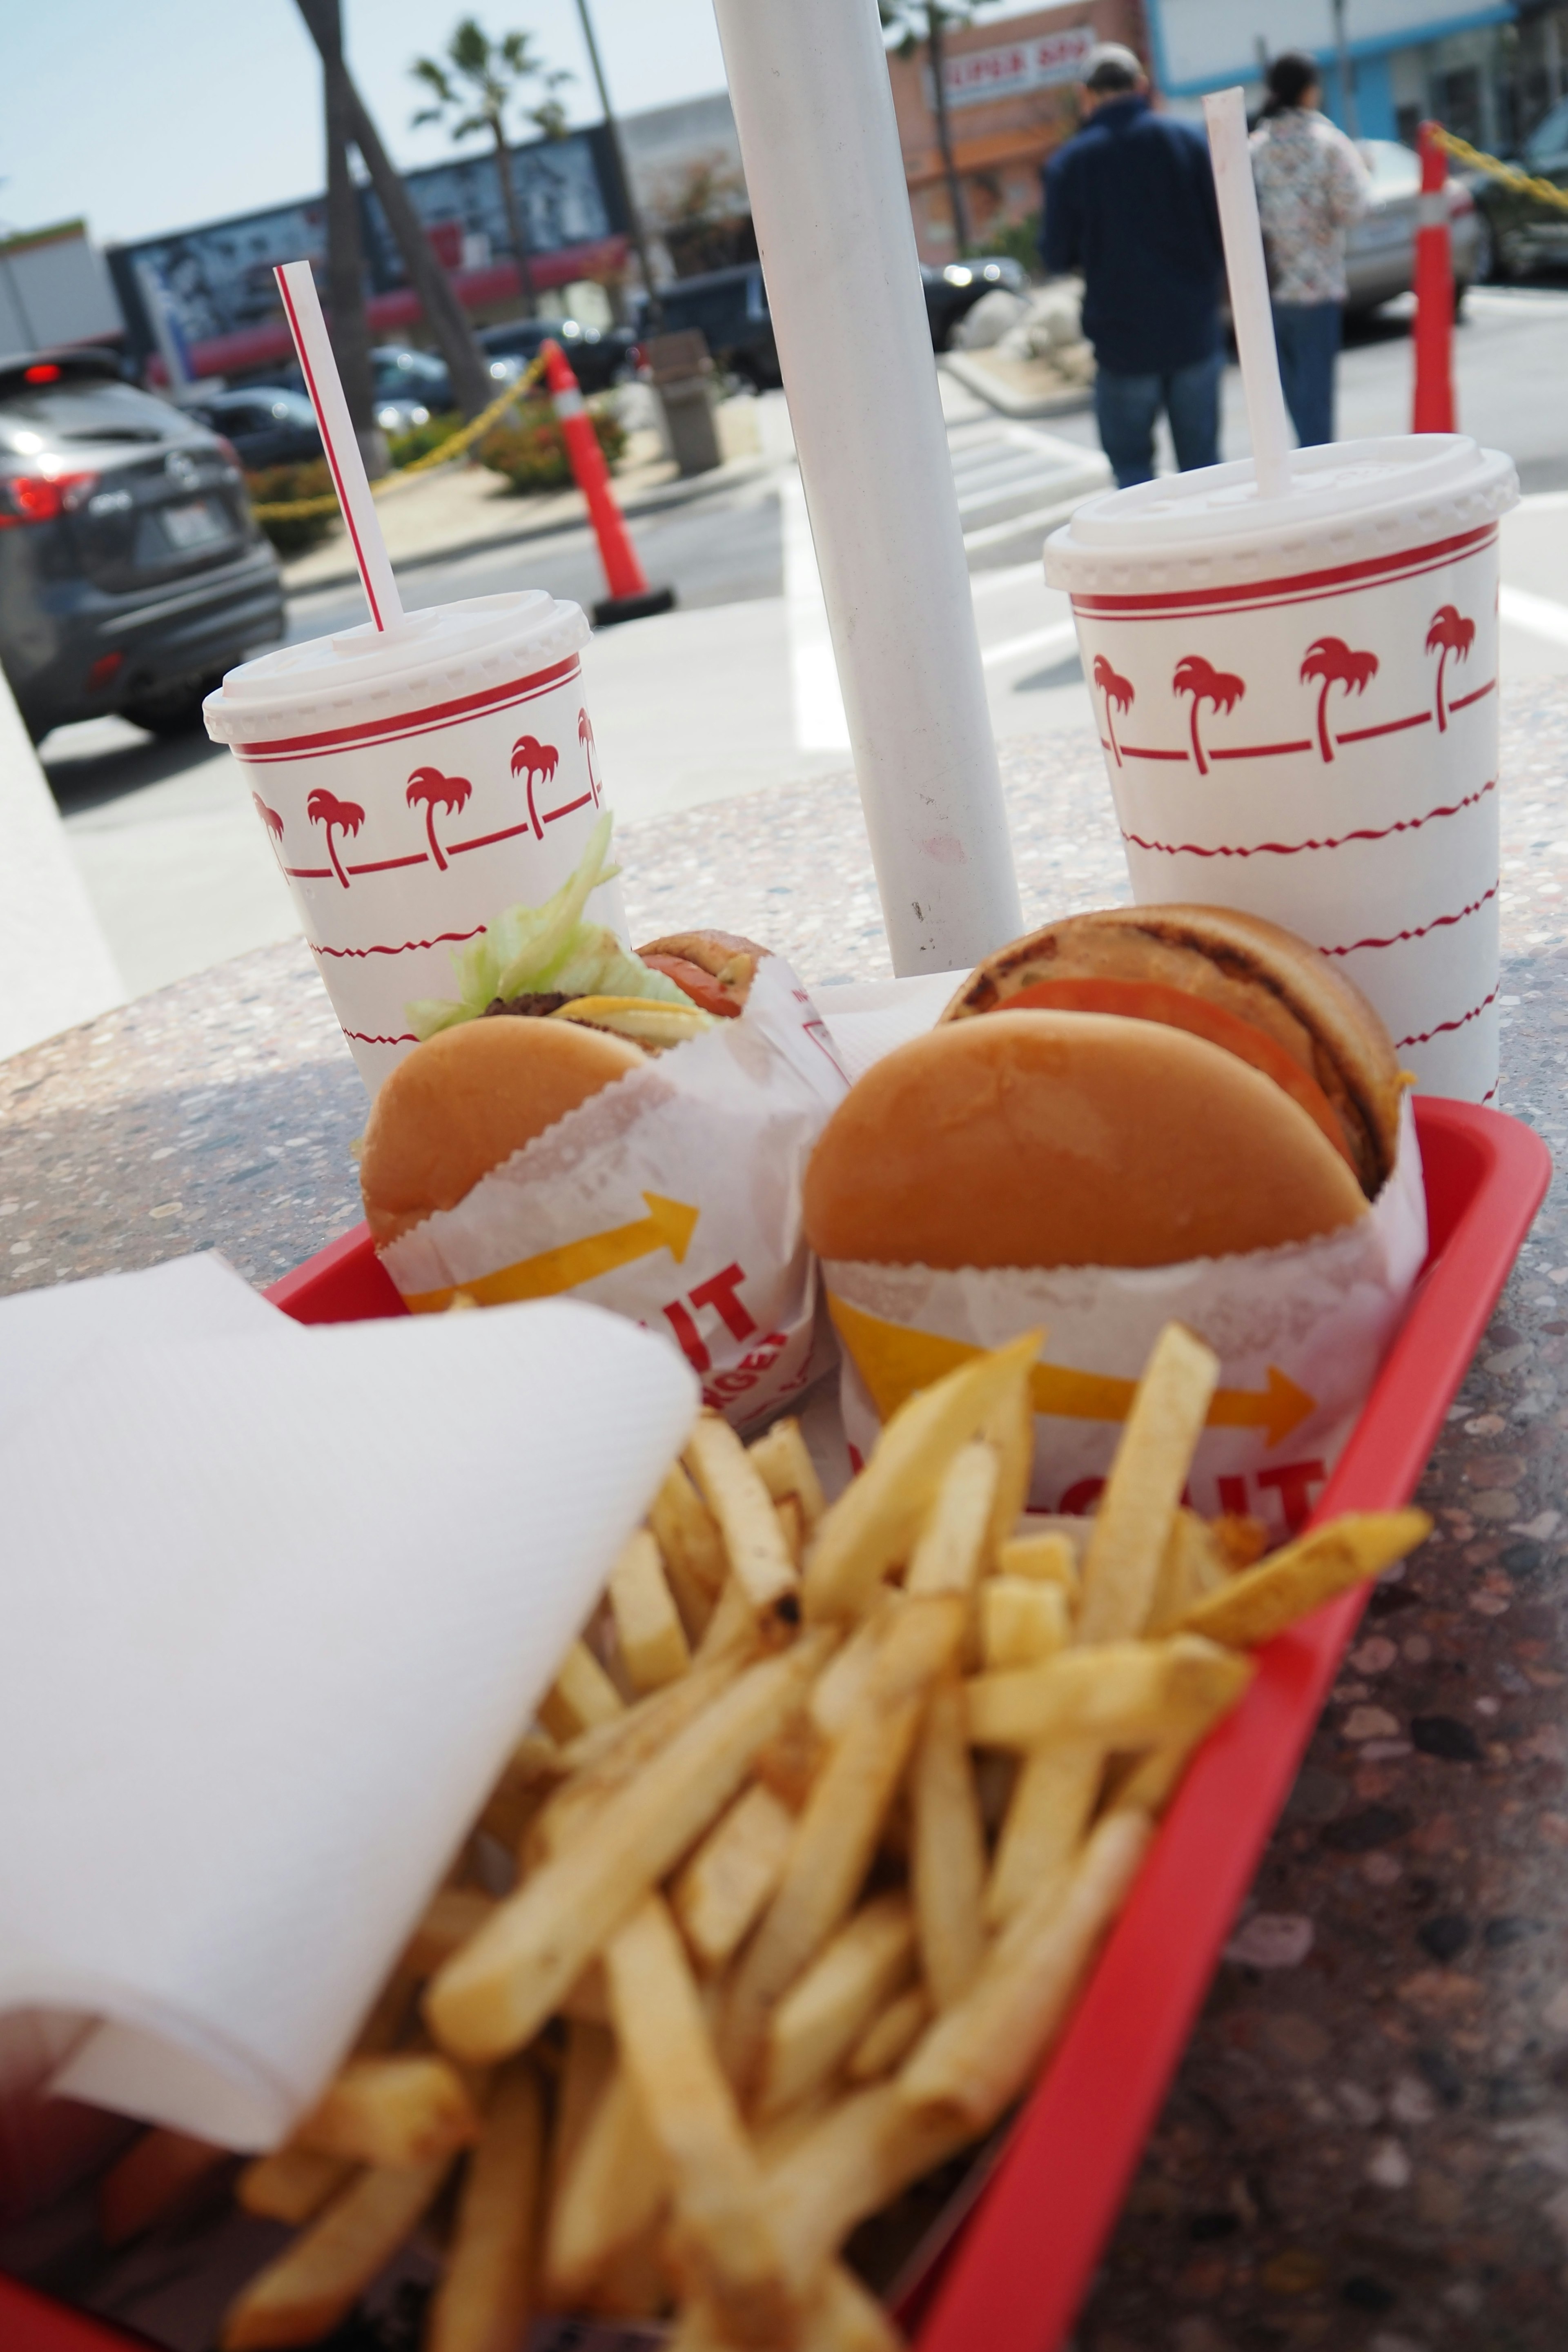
[[868, 1017], [272, 1608]]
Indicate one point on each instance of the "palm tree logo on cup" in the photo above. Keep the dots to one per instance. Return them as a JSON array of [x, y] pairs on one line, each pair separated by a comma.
[[1218, 688], [1119, 695], [537, 762], [1332, 661], [324, 808], [271, 820], [1450, 633], [590, 749], [437, 791]]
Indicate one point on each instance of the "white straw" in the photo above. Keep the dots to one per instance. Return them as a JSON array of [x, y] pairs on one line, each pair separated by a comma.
[[303, 307], [1224, 112]]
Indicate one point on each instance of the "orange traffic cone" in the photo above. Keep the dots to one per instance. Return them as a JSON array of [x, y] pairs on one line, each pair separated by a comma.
[[1434, 404], [630, 597]]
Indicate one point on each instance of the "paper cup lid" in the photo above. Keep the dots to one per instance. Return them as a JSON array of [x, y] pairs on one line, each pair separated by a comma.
[[1352, 497], [364, 673]]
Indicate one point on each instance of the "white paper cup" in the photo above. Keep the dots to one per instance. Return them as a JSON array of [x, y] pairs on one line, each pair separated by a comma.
[[415, 786], [1298, 703]]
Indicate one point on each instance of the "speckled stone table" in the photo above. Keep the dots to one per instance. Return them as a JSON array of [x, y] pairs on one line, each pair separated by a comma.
[[1366, 2147]]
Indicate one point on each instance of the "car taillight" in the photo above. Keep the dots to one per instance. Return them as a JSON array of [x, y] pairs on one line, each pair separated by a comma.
[[1459, 198], [41, 498]]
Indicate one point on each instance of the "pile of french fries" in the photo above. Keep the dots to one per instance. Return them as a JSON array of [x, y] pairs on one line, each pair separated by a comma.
[[818, 1832]]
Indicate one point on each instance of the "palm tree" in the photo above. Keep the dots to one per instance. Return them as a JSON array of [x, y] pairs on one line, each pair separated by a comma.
[[338, 816], [1119, 695], [1219, 687], [1332, 661], [437, 791], [585, 737], [1450, 633], [476, 80], [930, 19]]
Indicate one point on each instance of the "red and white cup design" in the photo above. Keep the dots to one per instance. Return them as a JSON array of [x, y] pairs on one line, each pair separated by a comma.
[[1302, 722], [415, 786]]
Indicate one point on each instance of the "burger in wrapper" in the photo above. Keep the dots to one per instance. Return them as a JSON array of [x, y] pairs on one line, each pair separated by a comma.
[[1146, 1114], [634, 1128]]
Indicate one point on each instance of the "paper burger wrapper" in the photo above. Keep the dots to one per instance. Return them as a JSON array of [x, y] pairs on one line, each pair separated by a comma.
[[1300, 1333], [672, 1197]]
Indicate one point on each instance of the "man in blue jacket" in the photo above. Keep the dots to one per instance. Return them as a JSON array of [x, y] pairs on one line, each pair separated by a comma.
[[1130, 203]]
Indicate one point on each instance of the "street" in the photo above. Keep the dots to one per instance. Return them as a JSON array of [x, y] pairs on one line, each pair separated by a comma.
[[735, 690]]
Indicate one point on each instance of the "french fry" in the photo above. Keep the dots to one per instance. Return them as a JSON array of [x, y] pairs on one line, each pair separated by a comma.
[[654, 1648], [873, 1522], [783, 1464], [889, 2039], [152, 2178], [1239, 1539], [950, 1549], [585, 2071], [978, 2056], [482, 2303], [1123, 1694], [1190, 1566], [391, 2112], [1022, 1620], [734, 1493], [1046, 1555], [494, 1995], [581, 1697], [722, 2240], [1259, 1603], [612, 2190], [838, 1831], [840, 1686], [1047, 1815], [792, 1527], [615, 1756], [733, 1629], [315, 2282], [687, 1533], [1151, 1783], [634, 2283], [788, 1765], [947, 1848], [452, 1915], [841, 2316], [588, 2001], [735, 1870], [856, 2160], [290, 2185], [826, 2009], [1132, 1524], [1010, 1429]]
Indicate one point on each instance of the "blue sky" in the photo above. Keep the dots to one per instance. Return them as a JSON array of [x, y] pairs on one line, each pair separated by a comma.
[[165, 113]]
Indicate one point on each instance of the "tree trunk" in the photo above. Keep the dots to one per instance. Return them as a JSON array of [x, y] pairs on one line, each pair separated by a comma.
[[345, 248], [936, 46], [444, 314], [514, 228], [628, 197]]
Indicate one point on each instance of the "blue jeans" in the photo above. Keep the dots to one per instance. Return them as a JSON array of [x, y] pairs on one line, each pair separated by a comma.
[[1307, 334], [1126, 407]]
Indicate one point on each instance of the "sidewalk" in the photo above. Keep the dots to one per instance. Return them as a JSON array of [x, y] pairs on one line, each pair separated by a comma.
[[462, 509]]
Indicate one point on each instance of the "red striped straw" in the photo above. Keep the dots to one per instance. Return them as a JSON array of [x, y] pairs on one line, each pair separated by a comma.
[[309, 329]]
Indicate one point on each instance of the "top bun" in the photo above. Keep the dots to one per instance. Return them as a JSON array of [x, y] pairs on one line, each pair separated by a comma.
[[1240, 966], [464, 1101], [1069, 1139]]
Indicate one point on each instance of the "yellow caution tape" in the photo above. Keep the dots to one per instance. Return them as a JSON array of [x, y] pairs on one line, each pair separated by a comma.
[[1545, 192]]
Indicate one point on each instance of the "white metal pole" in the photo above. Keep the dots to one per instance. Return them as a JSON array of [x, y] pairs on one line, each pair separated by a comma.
[[809, 79]]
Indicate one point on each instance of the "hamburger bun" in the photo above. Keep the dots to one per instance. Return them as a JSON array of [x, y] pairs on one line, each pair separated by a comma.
[[1242, 982], [713, 968], [469, 1098], [1069, 1139]]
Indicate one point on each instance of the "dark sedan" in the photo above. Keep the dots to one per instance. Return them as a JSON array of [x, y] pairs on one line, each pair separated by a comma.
[[1526, 234], [267, 424], [600, 357], [132, 571]]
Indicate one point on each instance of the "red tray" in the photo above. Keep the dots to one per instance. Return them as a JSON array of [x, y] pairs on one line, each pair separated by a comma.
[[1018, 2271]]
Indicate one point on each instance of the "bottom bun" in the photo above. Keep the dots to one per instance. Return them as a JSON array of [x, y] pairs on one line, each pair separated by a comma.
[[1049, 1138], [466, 1099]]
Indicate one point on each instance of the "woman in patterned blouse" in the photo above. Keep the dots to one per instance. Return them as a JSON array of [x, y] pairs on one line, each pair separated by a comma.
[[1311, 186]]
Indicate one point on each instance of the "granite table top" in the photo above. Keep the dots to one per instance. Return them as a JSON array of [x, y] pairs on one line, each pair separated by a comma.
[[1366, 2146]]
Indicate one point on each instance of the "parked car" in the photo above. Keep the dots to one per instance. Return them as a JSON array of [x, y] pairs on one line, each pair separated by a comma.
[[410, 387], [1379, 253], [953, 291], [132, 571], [266, 424], [600, 356], [1525, 234]]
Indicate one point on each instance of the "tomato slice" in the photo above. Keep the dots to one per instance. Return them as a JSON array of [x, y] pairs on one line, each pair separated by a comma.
[[699, 985], [1156, 1000]]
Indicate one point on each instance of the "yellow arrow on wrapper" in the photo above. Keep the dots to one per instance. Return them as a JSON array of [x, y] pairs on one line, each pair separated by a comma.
[[894, 1361], [669, 1224]]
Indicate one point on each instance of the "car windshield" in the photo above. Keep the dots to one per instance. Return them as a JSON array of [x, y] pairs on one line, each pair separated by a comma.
[[1396, 170], [396, 369], [1548, 142], [89, 409]]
